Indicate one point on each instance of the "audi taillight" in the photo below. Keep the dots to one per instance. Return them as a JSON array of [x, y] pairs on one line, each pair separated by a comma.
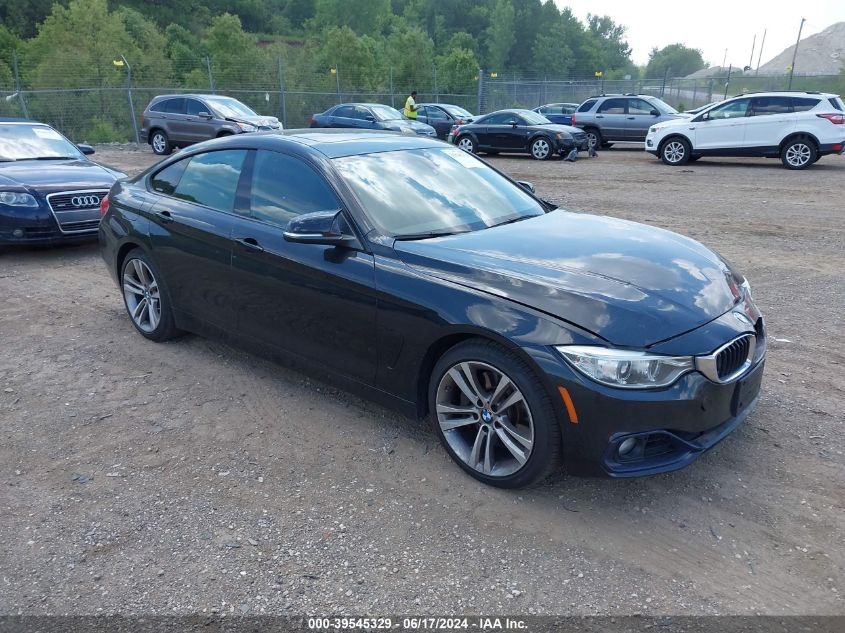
[[573, 118], [459, 122], [104, 205], [835, 118], [454, 131]]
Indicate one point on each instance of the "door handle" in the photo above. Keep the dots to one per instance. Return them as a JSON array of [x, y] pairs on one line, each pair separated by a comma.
[[630, 118], [164, 216], [599, 116], [250, 244]]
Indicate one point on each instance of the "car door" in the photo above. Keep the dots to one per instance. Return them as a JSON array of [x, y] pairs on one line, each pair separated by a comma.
[[312, 300], [487, 128], [721, 128], [343, 116], [612, 120], [177, 128], [199, 128], [364, 118], [438, 119], [509, 134], [639, 118], [768, 122], [190, 232]]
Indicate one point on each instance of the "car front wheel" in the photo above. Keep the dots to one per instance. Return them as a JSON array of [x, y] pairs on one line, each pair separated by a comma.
[[593, 137], [493, 415], [541, 149], [145, 300], [798, 154], [675, 151]]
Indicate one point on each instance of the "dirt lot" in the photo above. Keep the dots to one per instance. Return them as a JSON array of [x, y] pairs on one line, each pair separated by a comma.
[[189, 476]]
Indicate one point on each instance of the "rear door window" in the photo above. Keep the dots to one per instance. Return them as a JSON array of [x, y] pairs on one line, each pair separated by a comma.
[[802, 104], [175, 106], [836, 102], [613, 106], [763, 106], [284, 187], [347, 112], [159, 106], [436, 114], [211, 179]]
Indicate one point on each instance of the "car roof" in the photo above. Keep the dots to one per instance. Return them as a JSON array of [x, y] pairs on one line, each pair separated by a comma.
[[330, 142], [194, 95], [786, 93], [365, 105], [11, 119]]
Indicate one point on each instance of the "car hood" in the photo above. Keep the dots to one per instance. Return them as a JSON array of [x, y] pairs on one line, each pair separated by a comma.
[[58, 175], [631, 284], [559, 127], [407, 123], [258, 121]]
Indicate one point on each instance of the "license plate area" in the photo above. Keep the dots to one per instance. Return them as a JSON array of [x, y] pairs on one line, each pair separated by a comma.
[[746, 390]]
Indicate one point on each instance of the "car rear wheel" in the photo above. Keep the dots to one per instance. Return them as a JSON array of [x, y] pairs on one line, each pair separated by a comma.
[[145, 300], [160, 143], [675, 151], [798, 153], [541, 149], [593, 137], [493, 415], [466, 143]]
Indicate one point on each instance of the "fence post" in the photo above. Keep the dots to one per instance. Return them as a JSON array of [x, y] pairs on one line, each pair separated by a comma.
[[282, 94], [18, 84], [663, 85], [436, 91], [129, 97], [392, 96], [480, 95], [210, 78], [337, 79]]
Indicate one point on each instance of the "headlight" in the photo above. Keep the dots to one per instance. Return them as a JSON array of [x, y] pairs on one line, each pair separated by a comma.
[[652, 130], [247, 127], [627, 369], [17, 199], [746, 288], [562, 135], [408, 130]]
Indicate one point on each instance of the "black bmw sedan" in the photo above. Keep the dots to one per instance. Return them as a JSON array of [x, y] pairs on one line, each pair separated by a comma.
[[416, 274], [518, 131], [49, 190]]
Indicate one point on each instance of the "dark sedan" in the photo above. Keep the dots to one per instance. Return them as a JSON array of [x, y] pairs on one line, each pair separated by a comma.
[[518, 131], [49, 190], [443, 116], [369, 116], [420, 276], [558, 112]]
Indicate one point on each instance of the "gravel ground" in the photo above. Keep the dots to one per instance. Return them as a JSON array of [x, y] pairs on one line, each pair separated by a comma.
[[191, 477]]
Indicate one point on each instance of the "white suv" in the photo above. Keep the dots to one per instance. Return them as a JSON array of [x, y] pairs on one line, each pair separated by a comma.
[[797, 127]]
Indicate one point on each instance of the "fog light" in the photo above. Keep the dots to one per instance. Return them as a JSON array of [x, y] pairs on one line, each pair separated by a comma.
[[627, 446], [18, 232]]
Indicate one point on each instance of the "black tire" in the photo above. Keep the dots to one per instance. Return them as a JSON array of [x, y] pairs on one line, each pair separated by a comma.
[[541, 148], [160, 143], [165, 327], [593, 137], [606, 145], [675, 151], [545, 451], [692, 159], [798, 153], [467, 143]]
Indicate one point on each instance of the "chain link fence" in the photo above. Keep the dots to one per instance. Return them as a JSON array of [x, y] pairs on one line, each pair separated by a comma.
[[110, 110]]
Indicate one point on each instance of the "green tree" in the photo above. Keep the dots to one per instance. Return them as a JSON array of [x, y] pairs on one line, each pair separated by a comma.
[[676, 58], [8, 43], [23, 16], [299, 11], [363, 17], [610, 38], [236, 60], [410, 52], [457, 72], [357, 59], [499, 36]]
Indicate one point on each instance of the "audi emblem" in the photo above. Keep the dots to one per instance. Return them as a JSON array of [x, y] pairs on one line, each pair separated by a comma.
[[85, 201]]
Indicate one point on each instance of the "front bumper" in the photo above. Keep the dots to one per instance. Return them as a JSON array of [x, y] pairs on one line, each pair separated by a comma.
[[37, 227]]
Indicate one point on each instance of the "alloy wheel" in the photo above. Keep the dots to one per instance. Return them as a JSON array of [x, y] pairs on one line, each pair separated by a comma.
[[485, 418], [540, 149], [141, 293], [798, 154], [674, 152], [159, 143], [466, 144], [592, 138]]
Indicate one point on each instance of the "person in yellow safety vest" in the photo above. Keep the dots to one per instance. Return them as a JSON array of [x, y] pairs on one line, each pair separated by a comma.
[[410, 110]]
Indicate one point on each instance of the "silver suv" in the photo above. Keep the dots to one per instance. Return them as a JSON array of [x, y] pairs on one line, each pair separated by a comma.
[[609, 119], [178, 120]]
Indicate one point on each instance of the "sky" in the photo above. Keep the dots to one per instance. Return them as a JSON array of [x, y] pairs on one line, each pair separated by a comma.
[[714, 25]]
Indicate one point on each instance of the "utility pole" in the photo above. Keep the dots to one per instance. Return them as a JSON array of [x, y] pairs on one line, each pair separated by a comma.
[[18, 84], [480, 90], [760, 56], [129, 96], [210, 78], [282, 93], [795, 54], [751, 59], [725, 58], [728, 82], [392, 96], [337, 80]]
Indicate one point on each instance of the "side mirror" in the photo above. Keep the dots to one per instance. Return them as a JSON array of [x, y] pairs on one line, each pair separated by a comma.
[[655, 112], [370, 118], [204, 115], [514, 124], [528, 186], [320, 227], [85, 149]]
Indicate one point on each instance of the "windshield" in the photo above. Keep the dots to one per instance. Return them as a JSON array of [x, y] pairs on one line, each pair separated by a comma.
[[458, 113], [533, 118], [439, 191], [22, 142], [385, 113], [231, 108]]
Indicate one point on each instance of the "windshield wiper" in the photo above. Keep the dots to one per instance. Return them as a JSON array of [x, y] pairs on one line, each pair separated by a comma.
[[512, 220], [51, 158], [426, 235]]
